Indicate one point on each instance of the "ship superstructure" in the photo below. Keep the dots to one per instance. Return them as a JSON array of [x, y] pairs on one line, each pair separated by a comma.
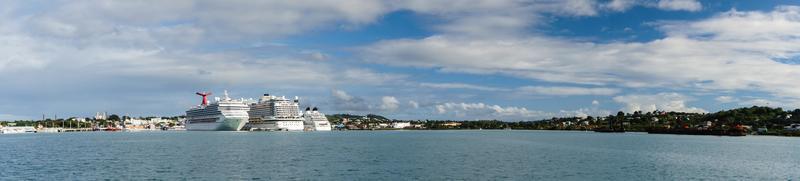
[[224, 114], [314, 120], [273, 113]]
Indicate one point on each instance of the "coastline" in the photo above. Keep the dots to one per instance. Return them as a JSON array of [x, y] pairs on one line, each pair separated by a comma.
[[408, 130]]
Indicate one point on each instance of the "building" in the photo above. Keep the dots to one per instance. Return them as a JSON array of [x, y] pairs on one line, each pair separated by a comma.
[[383, 125], [101, 116], [451, 124], [792, 127], [401, 125], [136, 122]]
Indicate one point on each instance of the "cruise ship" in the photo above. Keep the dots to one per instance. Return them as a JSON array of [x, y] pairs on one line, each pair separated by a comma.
[[222, 115], [313, 120], [273, 113]]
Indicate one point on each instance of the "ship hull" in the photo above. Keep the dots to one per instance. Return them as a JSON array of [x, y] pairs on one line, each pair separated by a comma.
[[222, 124], [322, 128], [318, 126], [276, 126]]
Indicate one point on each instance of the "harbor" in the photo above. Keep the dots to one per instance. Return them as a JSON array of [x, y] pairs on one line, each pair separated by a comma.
[[402, 155], [263, 115], [269, 113]]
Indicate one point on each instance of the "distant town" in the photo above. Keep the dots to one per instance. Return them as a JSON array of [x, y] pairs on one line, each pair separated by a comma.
[[755, 120]]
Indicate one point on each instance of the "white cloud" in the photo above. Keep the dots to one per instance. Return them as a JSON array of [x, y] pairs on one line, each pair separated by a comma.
[[459, 86], [496, 18], [389, 103], [19, 52], [341, 95], [413, 104], [137, 50], [217, 19], [134, 61], [342, 101], [725, 99], [760, 102], [756, 101], [728, 52], [662, 101], [487, 111], [366, 76], [747, 101], [620, 5], [667, 5], [239, 20], [508, 113], [584, 112], [10, 117], [575, 7], [90, 45], [685, 5], [345, 102], [316, 55], [779, 26], [566, 91]]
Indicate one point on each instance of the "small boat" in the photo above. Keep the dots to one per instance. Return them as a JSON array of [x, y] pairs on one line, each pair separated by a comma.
[[112, 128], [17, 130]]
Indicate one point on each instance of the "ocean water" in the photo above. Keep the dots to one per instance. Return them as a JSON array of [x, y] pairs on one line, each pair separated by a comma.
[[395, 155]]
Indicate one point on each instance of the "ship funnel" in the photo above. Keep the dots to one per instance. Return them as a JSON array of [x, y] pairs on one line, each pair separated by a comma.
[[263, 98], [205, 97]]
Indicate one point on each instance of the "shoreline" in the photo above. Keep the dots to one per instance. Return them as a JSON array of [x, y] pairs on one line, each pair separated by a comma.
[[397, 130]]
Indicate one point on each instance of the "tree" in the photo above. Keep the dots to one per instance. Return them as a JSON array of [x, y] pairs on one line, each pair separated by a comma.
[[113, 117]]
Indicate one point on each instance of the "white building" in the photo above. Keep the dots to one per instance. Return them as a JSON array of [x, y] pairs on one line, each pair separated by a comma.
[[159, 120], [101, 116], [401, 125], [135, 122]]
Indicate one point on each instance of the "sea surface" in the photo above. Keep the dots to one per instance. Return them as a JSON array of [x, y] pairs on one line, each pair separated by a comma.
[[395, 155]]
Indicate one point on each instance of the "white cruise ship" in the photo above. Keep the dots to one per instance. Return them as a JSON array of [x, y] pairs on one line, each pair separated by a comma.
[[315, 120], [273, 113], [222, 115]]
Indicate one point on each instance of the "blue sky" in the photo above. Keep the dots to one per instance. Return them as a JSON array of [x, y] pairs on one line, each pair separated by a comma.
[[473, 59]]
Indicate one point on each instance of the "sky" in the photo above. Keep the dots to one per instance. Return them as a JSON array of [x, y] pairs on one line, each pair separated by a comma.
[[416, 59]]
